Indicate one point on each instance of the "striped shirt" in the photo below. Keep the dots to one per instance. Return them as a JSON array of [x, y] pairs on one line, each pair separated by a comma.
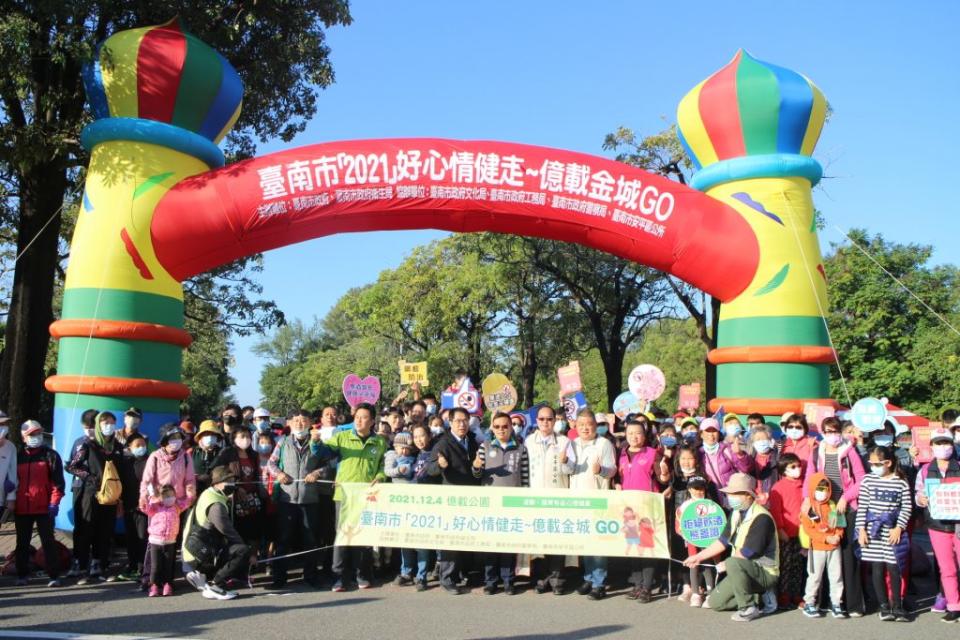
[[879, 496]]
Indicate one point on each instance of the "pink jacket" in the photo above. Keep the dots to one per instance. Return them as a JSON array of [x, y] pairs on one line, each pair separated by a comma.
[[637, 474], [176, 471], [851, 471], [164, 523]]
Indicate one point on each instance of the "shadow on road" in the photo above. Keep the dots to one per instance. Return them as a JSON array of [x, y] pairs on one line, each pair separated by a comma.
[[579, 634]]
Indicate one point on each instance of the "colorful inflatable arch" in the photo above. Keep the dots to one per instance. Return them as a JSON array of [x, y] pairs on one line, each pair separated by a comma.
[[159, 207]]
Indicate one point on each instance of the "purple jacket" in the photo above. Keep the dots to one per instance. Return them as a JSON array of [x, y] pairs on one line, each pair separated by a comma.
[[724, 463], [851, 471]]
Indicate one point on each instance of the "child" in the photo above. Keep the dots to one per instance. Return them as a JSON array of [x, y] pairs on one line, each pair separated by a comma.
[[882, 516], [501, 462], [132, 465], [690, 483], [786, 499], [398, 465], [821, 523], [163, 529]]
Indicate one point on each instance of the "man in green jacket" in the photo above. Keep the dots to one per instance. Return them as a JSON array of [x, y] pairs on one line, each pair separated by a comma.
[[360, 454]]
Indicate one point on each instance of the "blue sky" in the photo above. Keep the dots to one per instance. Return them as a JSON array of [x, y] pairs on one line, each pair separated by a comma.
[[564, 74]]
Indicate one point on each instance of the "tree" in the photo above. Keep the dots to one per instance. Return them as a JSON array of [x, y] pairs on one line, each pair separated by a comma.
[[889, 344], [278, 50]]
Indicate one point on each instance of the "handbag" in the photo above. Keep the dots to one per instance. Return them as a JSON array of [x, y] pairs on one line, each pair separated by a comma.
[[203, 544]]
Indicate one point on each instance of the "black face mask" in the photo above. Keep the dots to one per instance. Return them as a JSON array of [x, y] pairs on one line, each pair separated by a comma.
[[229, 490], [231, 420]]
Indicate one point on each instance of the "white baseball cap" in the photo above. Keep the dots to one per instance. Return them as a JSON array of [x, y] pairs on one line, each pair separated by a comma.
[[260, 412]]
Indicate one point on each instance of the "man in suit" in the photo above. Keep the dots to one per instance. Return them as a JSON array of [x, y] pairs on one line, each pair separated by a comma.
[[452, 459]]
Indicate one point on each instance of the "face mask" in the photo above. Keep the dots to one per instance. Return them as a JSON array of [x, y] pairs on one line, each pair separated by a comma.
[[174, 445], [517, 428], [33, 441], [687, 471], [956, 437], [732, 430], [131, 422], [763, 446], [107, 429], [833, 439], [243, 443], [231, 421], [711, 448], [139, 452], [436, 430], [263, 425], [943, 451], [601, 431], [668, 441], [735, 502], [299, 435], [169, 501], [209, 442], [883, 441], [878, 469], [793, 472], [820, 496], [690, 436], [264, 447], [904, 444], [794, 434], [228, 490], [3, 432], [559, 426], [431, 409], [90, 433]]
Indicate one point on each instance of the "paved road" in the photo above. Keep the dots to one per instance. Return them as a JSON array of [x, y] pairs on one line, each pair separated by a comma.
[[397, 613]]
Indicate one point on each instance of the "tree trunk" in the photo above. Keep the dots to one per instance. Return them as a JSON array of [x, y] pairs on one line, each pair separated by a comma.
[[27, 334], [613, 371], [711, 369], [528, 368]]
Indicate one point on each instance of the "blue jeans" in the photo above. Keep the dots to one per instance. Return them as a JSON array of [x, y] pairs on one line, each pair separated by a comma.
[[425, 560], [408, 562], [594, 570]]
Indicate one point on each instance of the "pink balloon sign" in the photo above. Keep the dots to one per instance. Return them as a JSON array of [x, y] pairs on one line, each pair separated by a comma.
[[358, 391], [646, 382]]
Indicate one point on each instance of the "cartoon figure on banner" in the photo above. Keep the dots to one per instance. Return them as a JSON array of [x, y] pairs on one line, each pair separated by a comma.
[[357, 391], [646, 382], [627, 403], [572, 405], [639, 532]]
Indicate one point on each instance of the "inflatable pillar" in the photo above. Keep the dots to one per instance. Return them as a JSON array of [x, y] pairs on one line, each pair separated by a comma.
[[750, 129], [161, 100]]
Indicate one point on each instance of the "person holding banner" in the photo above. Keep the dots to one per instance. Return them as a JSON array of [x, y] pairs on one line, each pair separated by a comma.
[[944, 468], [551, 463], [501, 462], [452, 460], [595, 465], [360, 455], [754, 563]]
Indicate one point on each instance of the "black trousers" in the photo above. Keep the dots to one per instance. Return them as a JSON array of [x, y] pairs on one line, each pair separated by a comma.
[[231, 563], [499, 567], [643, 572], [135, 538], [24, 525], [163, 558], [298, 529], [96, 532], [549, 571], [81, 553], [852, 581], [448, 563]]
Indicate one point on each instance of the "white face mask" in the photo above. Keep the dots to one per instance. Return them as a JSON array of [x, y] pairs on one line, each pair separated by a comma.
[[33, 441], [174, 445], [820, 496], [794, 434], [559, 426], [209, 441], [107, 428], [3, 432], [90, 433], [793, 472], [242, 443], [131, 422]]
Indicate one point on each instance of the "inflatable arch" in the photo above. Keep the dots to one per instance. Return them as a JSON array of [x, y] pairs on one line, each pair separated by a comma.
[[159, 207]]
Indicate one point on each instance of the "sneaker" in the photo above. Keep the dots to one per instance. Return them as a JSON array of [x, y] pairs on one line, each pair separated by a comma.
[[686, 594], [899, 615], [644, 596], [706, 602], [452, 589], [885, 614], [811, 611], [940, 604], [951, 616], [585, 588], [510, 590], [856, 614], [363, 584], [490, 589], [75, 572], [598, 593], [421, 585], [154, 591], [111, 578], [838, 612], [402, 580], [696, 600], [125, 576], [746, 615], [21, 582], [168, 589], [769, 602], [541, 588], [197, 580], [55, 582], [216, 592], [338, 587]]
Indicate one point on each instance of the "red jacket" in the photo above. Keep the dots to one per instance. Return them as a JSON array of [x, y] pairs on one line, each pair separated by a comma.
[[39, 480], [786, 498]]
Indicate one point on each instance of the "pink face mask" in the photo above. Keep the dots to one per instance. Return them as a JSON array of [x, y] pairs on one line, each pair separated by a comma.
[[833, 439], [169, 501], [943, 451]]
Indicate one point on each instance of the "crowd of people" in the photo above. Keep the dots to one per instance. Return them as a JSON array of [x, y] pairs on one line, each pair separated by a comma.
[[819, 520]]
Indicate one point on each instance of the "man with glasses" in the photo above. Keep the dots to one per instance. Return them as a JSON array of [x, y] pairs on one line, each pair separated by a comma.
[[551, 463], [452, 459]]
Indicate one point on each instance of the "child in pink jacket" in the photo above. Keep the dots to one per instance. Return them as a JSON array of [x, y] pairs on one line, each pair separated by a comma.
[[162, 530]]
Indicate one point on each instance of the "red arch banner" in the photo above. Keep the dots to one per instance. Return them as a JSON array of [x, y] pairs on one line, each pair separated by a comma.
[[463, 186]]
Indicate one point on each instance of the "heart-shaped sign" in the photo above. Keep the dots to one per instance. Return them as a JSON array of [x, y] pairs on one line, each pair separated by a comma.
[[357, 391], [646, 382]]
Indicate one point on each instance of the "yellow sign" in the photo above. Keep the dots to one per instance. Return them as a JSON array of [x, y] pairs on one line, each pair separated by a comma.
[[504, 520], [411, 372], [498, 393]]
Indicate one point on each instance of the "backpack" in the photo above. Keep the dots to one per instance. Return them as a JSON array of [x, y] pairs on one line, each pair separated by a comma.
[[110, 487]]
